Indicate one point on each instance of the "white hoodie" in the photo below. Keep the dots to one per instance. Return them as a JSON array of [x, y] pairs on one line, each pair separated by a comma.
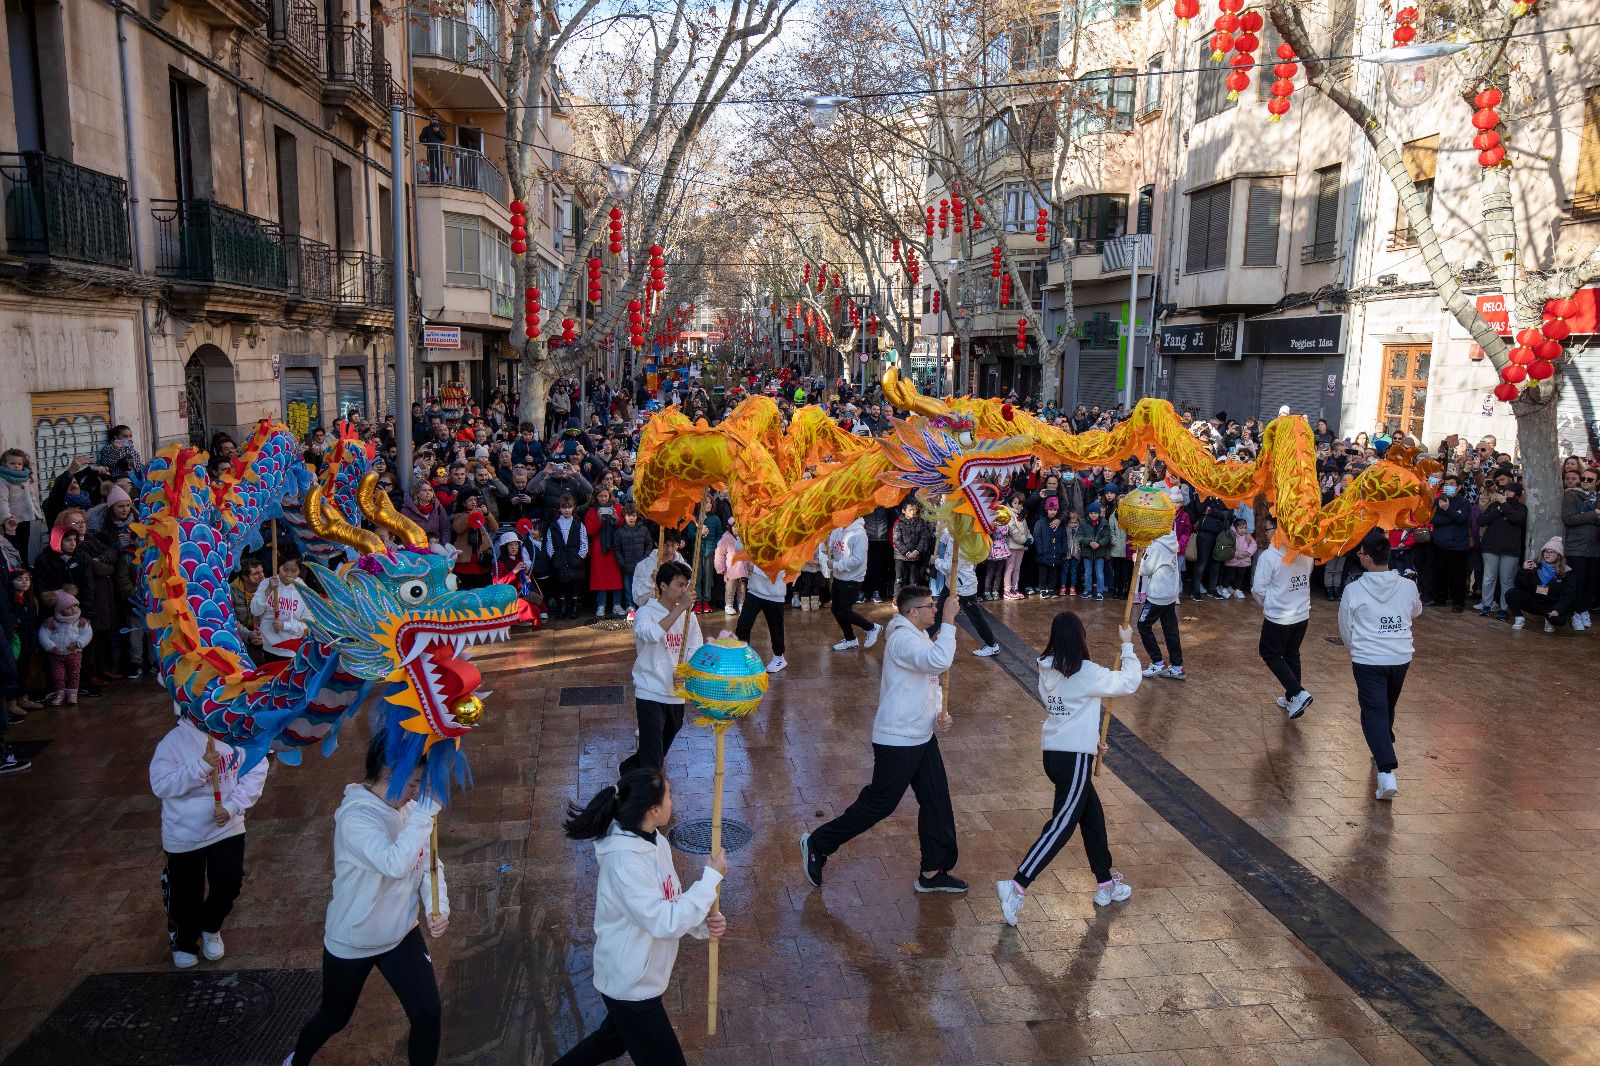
[[847, 551], [1283, 589], [283, 617], [181, 779], [908, 693], [381, 874], [641, 912], [966, 573], [1159, 570], [762, 587], [1072, 704], [644, 577], [1375, 614], [658, 652]]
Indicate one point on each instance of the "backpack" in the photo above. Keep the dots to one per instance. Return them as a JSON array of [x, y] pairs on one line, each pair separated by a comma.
[[1226, 547]]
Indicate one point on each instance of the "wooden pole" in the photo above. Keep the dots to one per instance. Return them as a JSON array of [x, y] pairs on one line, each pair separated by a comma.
[[433, 865], [274, 548], [1127, 618], [716, 845], [216, 780], [950, 590], [694, 576]]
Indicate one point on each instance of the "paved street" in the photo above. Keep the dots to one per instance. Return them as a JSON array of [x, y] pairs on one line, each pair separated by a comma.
[[1280, 915]]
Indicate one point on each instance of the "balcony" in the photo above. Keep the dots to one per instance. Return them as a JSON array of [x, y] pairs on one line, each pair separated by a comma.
[[460, 168], [363, 287], [296, 39], [309, 268], [456, 61], [229, 14], [57, 210], [203, 242], [356, 81]]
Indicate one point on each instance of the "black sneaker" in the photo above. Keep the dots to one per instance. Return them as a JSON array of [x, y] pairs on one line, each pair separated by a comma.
[[811, 861], [940, 882], [13, 765], [15, 718]]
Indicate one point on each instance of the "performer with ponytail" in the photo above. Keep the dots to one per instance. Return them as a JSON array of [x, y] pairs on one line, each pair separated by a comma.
[[640, 914], [382, 880]]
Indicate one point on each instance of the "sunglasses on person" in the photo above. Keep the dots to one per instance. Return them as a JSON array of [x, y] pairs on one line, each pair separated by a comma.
[[1588, 479]]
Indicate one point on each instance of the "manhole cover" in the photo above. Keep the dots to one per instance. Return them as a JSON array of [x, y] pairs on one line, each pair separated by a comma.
[[591, 696], [610, 625], [242, 1018], [694, 838]]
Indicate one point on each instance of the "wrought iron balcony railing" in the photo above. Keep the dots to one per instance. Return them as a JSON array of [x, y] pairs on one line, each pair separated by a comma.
[[198, 240], [294, 25], [351, 62], [361, 279], [60, 210], [309, 265], [461, 168]]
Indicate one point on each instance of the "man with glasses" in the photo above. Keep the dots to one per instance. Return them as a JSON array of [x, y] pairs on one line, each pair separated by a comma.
[[905, 752], [1579, 516]]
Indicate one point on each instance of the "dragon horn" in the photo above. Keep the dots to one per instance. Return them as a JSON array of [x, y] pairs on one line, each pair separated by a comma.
[[381, 513], [326, 522], [904, 395]]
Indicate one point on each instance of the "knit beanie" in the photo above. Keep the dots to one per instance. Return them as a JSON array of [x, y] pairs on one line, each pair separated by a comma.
[[1554, 544], [118, 495], [65, 602]]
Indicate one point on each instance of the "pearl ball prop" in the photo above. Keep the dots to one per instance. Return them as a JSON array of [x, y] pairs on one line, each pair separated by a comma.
[[1146, 515], [724, 681]]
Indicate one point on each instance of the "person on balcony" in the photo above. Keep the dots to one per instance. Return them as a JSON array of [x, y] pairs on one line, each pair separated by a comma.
[[433, 136]]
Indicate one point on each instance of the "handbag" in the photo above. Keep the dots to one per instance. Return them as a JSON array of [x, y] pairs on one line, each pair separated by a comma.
[[1190, 551]]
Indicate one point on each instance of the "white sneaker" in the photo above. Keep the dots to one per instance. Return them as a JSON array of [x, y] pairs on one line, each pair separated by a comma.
[[600, 610], [729, 608], [1388, 788], [211, 946], [1112, 891], [1548, 628], [846, 645], [778, 663], [1011, 897], [1520, 623], [1297, 706], [184, 960], [987, 650], [620, 611], [1175, 673], [872, 636], [1281, 702], [1155, 669], [1578, 624]]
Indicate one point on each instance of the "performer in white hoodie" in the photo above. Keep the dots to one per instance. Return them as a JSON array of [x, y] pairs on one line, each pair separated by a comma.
[[905, 753], [658, 633], [644, 574], [1284, 590], [966, 590], [1162, 581], [280, 603], [1375, 614], [382, 880], [641, 911], [764, 596], [1071, 688], [847, 563], [204, 845]]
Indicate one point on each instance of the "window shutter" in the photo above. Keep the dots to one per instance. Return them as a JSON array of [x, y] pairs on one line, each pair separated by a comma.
[[1587, 196], [1199, 220], [1421, 157], [1261, 222], [1208, 228], [1325, 217], [1217, 236]]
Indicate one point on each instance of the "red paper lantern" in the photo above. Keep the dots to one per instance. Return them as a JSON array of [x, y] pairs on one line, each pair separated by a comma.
[[1231, 5], [615, 248], [1521, 356], [1561, 308], [519, 247], [1513, 374], [1404, 35], [1238, 81], [1557, 330], [1252, 21], [1485, 118], [896, 257], [1489, 98], [1227, 22], [935, 301], [1186, 9], [1505, 392], [930, 222], [1539, 370], [1246, 42], [1283, 87], [1492, 158], [1221, 45], [1277, 107], [518, 207], [1529, 337], [1547, 350], [994, 261], [532, 331], [615, 214], [1286, 52], [1486, 140]]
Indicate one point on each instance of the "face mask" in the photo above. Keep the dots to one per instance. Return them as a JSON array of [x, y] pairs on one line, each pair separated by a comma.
[[1449, 490], [1433, 480]]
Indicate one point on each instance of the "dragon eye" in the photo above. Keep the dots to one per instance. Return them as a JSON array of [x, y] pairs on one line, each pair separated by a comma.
[[414, 591], [450, 582], [965, 437]]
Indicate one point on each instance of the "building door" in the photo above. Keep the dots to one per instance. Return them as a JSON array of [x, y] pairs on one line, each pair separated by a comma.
[[1403, 401], [302, 400], [1097, 378], [1292, 381], [1192, 384]]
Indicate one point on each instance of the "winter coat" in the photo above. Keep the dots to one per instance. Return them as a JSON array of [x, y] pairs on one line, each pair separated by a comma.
[[52, 570], [568, 549], [879, 521], [18, 501], [1244, 548], [550, 488], [1579, 515], [57, 638], [1071, 545], [473, 559], [727, 566], [1503, 528], [103, 554], [1450, 518], [913, 534], [633, 544], [1558, 596], [1048, 543], [601, 525], [1017, 533], [1215, 516], [1099, 533], [436, 523]]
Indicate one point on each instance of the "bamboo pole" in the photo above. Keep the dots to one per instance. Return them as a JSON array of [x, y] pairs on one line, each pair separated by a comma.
[[216, 780], [694, 576], [1127, 618], [720, 730], [433, 865]]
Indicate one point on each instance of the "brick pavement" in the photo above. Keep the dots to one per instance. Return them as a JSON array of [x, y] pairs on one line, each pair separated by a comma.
[[1484, 867]]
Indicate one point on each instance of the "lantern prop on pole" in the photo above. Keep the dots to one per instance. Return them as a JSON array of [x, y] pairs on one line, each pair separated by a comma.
[[724, 682], [1145, 515]]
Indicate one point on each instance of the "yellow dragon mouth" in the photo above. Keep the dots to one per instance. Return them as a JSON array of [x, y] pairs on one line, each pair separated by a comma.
[[983, 497], [436, 676]]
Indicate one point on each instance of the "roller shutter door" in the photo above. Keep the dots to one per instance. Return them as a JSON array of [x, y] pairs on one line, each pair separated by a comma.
[[388, 389], [1578, 405], [1192, 384], [352, 392], [1293, 380], [1097, 378], [302, 400]]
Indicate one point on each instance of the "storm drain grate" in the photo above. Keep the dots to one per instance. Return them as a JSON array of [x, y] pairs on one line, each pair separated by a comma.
[[242, 1018], [694, 838], [610, 625], [591, 696]]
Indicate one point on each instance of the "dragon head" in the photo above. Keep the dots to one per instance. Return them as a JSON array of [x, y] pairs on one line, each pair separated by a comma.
[[943, 455], [396, 615]]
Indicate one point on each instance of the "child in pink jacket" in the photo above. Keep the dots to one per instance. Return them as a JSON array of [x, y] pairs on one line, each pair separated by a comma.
[[1236, 571], [733, 572]]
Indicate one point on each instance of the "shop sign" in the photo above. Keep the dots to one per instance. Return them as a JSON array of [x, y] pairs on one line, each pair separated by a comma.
[[1492, 307], [441, 337], [1308, 335], [1194, 338]]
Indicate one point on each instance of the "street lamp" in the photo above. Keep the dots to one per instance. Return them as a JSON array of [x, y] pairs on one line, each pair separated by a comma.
[[621, 178], [1413, 53], [823, 109]]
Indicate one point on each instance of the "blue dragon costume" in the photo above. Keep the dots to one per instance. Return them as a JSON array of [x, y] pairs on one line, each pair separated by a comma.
[[389, 618]]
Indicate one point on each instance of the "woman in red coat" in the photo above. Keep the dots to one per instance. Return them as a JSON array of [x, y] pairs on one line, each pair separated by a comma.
[[605, 576]]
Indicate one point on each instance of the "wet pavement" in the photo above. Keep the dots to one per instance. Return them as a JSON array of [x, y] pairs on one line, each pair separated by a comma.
[[1470, 903]]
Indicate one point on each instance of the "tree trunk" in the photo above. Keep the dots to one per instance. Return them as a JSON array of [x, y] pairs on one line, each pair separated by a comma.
[[1541, 468], [537, 375]]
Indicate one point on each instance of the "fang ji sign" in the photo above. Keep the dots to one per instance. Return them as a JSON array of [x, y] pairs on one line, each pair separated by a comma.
[[1492, 306]]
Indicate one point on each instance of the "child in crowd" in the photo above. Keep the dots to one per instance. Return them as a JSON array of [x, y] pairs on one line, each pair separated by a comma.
[[19, 508], [994, 578], [63, 637], [1019, 538], [1094, 544], [913, 543], [24, 642], [634, 542], [735, 572], [1048, 534], [511, 568], [1235, 580], [1072, 556], [280, 604]]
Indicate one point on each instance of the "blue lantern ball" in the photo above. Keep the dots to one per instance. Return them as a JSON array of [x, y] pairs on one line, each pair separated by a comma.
[[724, 680]]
